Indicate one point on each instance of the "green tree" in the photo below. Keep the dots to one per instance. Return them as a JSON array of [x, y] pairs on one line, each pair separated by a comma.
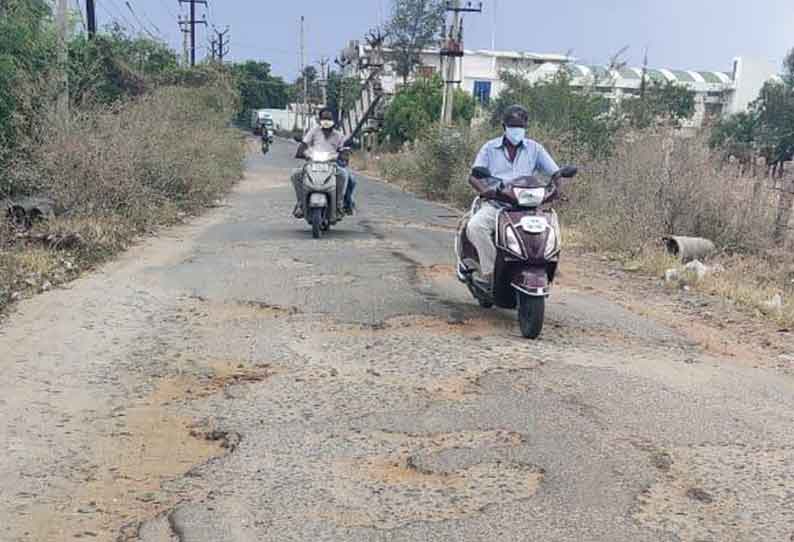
[[258, 88], [342, 92], [418, 105], [736, 135], [775, 118], [664, 104], [312, 77], [414, 25], [116, 65], [26, 54], [579, 116]]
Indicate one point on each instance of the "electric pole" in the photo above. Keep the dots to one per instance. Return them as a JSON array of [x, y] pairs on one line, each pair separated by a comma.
[[223, 49], [192, 25], [213, 43], [303, 74], [62, 103], [90, 11], [324, 79], [452, 48], [305, 111], [185, 41]]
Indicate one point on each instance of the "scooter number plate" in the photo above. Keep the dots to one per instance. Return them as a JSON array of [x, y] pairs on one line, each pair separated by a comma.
[[321, 168], [534, 224]]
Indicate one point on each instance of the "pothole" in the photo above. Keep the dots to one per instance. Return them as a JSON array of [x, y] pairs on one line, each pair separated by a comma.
[[721, 494], [147, 446], [429, 478]]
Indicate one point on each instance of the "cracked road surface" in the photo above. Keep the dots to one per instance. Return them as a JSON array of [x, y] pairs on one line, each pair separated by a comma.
[[235, 380]]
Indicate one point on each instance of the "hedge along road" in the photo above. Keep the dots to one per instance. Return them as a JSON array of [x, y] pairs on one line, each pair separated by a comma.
[[235, 380]]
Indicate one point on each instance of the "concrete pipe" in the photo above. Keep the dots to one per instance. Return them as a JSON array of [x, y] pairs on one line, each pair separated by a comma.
[[689, 248]]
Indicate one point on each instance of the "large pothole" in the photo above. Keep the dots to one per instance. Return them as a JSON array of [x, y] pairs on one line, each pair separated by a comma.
[[429, 478]]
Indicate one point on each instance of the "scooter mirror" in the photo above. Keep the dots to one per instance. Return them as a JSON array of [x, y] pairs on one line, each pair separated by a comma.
[[481, 173], [569, 171]]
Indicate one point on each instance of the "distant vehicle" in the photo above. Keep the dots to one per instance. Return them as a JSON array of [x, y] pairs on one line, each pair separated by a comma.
[[322, 196], [259, 117]]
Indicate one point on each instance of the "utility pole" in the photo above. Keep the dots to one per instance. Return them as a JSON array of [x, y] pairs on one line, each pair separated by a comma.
[[185, 41], [452, 48], [192, 25], [62, 103], [90, 11], [213, 43], [303, 74], [223, 49], [324, 79]]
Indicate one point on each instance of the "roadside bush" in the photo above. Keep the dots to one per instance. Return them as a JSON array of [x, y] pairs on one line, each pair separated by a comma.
[[656, 184], [120, 170], [437, 164]]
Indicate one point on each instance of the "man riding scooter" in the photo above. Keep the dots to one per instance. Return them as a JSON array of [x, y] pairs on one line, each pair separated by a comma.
[[322, 138], [508, 157]]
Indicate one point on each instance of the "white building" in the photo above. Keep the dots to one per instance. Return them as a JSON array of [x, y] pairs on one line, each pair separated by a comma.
[[716, 93]]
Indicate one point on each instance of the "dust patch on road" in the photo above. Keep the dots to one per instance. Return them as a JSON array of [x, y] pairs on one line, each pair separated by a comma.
[[241, 309], [408, 478], [436, 272], [722, 494], [382, 222], [147, 445]]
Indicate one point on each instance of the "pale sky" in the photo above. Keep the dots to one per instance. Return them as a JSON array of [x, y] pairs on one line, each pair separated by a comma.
[[680, 34]]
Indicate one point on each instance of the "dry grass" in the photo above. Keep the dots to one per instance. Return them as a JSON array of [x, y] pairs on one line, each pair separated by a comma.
[[120, 172]]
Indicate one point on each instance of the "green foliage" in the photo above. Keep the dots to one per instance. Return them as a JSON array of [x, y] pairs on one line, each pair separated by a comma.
[[735, 135], [774, 112], [415, 24], [418, 105], [116, 65], [312, 78], [258, 88], [342, 93], [578, 117], [26, 52], [767, 128], [665, 104]]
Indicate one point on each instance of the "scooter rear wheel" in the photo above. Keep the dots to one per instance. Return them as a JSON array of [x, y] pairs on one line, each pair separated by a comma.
[[531, 312], [317, 222]]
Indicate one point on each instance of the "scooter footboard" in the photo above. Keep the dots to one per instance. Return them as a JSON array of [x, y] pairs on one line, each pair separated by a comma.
[[533, 281]]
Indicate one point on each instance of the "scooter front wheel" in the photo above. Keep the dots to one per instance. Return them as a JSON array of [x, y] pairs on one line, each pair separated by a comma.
[[531, 311], [317, 221]]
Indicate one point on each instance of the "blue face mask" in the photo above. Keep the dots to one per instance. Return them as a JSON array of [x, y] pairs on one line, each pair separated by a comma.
[[515, 135]]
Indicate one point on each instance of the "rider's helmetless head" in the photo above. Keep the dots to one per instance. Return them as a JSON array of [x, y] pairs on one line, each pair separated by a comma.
[[514, 120], [326, 120]]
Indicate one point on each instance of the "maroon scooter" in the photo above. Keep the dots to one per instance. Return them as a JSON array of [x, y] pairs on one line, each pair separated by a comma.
[[527, 239]]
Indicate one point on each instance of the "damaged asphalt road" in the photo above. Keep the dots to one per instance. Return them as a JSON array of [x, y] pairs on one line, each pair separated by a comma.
[[236, 380]]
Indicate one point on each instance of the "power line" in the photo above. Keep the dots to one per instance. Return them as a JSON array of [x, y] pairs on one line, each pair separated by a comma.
[[119, 14], [169, 10], [140, 23]]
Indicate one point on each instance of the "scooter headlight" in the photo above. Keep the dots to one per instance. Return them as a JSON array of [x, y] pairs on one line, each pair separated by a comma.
[[512, 243], [529, 197]]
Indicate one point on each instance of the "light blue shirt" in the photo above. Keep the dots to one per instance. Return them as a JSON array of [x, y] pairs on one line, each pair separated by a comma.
[[530, 158]]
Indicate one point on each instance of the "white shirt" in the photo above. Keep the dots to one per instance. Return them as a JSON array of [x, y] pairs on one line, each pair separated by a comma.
[[530, 158]]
